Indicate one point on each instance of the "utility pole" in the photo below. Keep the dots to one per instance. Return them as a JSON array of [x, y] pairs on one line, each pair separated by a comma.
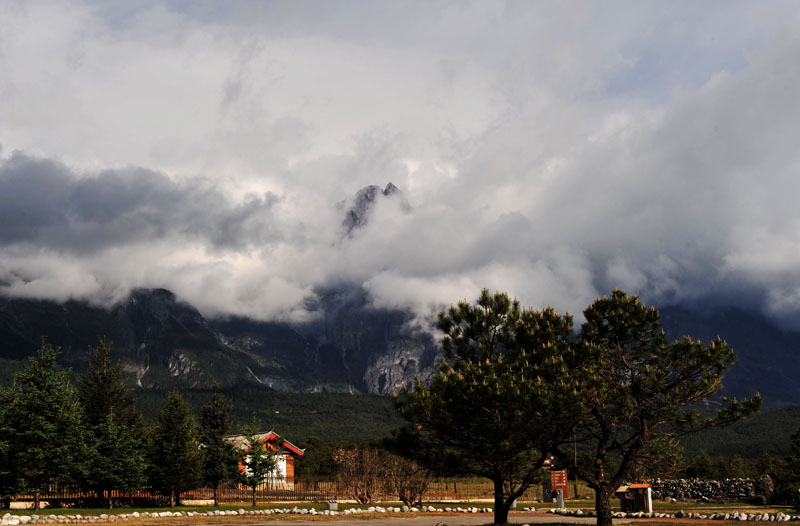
[[575, 452]]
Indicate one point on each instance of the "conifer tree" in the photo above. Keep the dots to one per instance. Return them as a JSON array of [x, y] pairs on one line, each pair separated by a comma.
[[10, 476], [46, 442], [220, 457], [173, 450], [260, 459], [502, 365], [638, 390], [116, 460], [103, 389]]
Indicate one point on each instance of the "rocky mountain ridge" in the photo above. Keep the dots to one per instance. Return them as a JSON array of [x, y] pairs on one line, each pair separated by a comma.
[[351, 347], [164, 342]]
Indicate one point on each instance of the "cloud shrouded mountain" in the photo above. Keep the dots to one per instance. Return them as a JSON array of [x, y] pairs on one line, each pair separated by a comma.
[[550, 152]]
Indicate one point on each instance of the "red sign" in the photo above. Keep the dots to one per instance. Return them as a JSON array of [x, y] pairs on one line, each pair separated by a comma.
[[558, 480]]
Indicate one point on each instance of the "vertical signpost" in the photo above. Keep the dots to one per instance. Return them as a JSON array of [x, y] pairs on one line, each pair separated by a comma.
[[558, 480]]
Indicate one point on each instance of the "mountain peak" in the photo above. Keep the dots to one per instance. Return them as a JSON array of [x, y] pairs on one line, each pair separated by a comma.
[[358, 214]]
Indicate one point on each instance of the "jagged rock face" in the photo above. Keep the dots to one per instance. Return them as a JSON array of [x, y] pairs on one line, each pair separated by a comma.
[[358, 213], [165, 343], [404, 361], [161, 342], [348, 349]]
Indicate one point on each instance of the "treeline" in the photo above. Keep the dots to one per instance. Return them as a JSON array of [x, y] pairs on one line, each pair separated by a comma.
[[349, 418], [92, 436]]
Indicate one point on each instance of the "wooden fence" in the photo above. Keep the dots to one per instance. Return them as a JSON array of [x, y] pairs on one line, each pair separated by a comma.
[[302, 490]]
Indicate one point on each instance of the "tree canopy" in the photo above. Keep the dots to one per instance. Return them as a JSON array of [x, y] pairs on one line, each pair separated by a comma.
[[260, 459], [173, 449], [492, 389], [115, 449], [43, 439], [640, 392], [220, 460], [517, 385]]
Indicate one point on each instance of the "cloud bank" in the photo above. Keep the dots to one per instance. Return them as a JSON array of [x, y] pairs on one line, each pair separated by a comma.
[[550, 152]]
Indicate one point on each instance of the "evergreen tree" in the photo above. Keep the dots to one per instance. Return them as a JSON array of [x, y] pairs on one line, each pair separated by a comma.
[[45, 445], [220, 457], [10, 476], [103, 390], [637, 389], [173, 450], [115, 458], [260, 460], [502, 365], [114, 425]]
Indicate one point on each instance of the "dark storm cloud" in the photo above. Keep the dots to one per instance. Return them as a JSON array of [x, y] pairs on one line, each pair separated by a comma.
[[43, 202]]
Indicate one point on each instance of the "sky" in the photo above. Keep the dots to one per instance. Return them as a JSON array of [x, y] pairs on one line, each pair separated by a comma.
[[552, 150]]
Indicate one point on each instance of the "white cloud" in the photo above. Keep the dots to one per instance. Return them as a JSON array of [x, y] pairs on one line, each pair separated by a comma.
[[553, 151]]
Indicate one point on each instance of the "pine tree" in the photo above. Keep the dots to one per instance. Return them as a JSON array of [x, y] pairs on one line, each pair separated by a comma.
[[173, 450], [483, 412], [115, 458], [220, 458], [638, 390], [114, 426], [260, 460], [10, 475], [46, 444], [103, 389]]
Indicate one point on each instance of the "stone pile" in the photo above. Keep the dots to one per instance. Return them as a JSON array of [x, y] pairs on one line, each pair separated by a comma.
[[703, 490], [14, 520]]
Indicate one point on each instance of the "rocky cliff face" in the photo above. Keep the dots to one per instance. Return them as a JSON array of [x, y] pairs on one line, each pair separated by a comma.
[[165, 343], [403, 361], [161, 341], [351, 347]]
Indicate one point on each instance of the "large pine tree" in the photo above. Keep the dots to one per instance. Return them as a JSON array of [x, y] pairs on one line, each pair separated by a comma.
[[260, 460], [639, 393], [115, 452], [220, 458], [46, 441], [502, 364], [10, 476], [173, 450]]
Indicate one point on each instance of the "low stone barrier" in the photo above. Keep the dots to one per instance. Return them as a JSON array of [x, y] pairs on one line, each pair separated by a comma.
[[14, 520], [704, 490]]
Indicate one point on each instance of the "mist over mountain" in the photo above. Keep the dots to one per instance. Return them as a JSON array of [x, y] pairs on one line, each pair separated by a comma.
[[350, 347]]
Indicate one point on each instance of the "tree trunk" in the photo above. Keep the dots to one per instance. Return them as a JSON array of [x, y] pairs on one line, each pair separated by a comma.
[[501, 507], [172, 498], [216, 496], [254, 496], [110, 501], [36, 498], [602, 506], [7, 502]]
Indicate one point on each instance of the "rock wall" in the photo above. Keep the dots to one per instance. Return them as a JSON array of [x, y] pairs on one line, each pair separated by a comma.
[[705, 490]]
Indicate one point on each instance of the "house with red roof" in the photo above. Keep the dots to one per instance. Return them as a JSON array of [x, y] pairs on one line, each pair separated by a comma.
[[286, 453]]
